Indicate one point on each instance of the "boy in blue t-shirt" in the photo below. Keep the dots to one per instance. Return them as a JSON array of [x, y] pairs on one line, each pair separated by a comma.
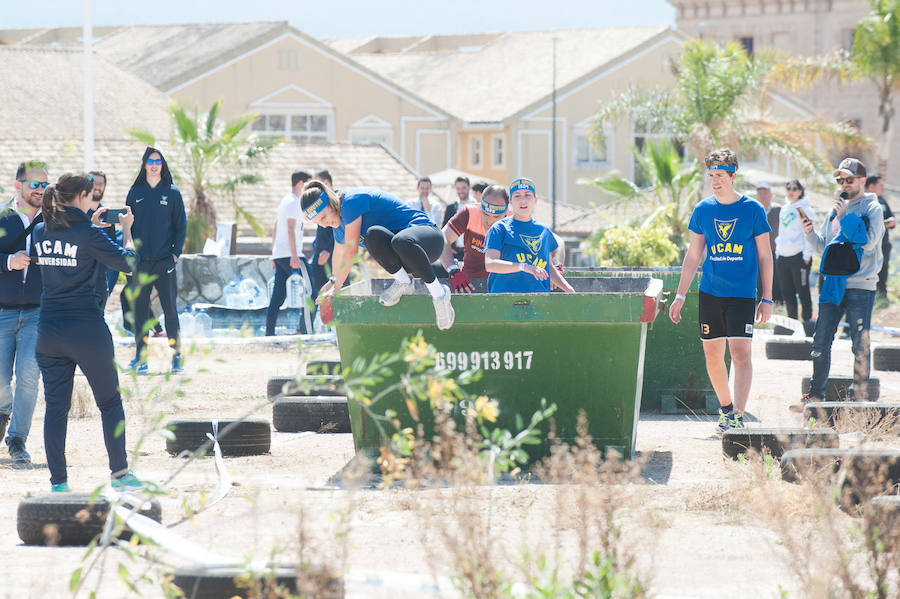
[[732, 232], [517, 248]]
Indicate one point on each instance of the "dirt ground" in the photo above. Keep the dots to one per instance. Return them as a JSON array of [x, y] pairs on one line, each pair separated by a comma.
[[693, 539]]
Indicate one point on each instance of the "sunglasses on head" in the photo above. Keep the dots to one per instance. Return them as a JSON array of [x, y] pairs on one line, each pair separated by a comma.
[[35, 184], [843, 180], [156, 161]]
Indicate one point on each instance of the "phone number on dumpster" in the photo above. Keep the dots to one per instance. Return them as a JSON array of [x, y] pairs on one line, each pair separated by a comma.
[[486, 360]]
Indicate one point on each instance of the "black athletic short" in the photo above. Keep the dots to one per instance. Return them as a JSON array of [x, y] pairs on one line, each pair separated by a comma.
[[726, 316]]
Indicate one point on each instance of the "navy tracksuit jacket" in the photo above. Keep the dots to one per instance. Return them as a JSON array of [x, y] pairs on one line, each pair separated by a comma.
[[18, 288], [159, 231], [71, 331]]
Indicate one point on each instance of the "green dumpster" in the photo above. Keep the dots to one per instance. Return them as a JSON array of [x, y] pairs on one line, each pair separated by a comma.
[[675, 376], [581, 351]]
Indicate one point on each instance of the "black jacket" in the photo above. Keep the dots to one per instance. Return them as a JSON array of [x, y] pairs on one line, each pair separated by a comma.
[[18, 288], [159, 221], [71, 258]]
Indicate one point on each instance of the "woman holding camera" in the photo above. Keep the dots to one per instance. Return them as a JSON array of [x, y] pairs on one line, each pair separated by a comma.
[[71, 330]]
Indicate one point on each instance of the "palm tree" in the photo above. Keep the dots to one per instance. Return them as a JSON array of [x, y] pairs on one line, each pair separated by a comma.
[[212, 155], [721, 98], [876, 52], [673, 185]]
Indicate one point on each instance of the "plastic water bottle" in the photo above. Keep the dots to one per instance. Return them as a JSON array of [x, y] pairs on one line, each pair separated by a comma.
[[202, 324], [187, 324], [254, 294], [229, 294], [270, 287], [296, 291], [319, 327]]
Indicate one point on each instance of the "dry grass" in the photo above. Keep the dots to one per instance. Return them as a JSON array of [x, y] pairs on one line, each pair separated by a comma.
[[83, 405]]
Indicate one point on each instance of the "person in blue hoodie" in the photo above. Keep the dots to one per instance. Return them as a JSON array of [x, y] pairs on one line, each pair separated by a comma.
[[20, 290], [852, 205], [71, 252], [159, 231]]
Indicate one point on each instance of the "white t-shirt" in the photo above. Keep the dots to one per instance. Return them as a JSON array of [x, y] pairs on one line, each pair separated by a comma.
[[435, 213], [288, 208]]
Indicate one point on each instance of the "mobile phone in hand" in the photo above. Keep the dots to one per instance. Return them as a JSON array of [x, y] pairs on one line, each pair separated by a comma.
[[112, 215], [801, 213]]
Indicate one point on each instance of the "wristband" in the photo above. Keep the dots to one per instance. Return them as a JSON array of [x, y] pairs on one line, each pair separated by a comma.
[[765, 301], [521, 267], [679, 296], [453, 269]]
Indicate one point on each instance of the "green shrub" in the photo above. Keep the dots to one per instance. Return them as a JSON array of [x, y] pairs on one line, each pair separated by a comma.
[[634, 246]]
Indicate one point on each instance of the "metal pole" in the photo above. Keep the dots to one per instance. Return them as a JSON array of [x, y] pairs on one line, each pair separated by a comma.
[[553, 140], [88, 38]]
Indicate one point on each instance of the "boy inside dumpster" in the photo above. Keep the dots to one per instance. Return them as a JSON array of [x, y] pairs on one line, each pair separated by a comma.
[[517, 248]]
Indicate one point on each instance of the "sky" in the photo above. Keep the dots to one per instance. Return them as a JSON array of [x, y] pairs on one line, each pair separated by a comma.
[[351, 18]]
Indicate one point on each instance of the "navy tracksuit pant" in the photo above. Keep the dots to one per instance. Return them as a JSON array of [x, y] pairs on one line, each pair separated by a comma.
[[167, 288], [84, 340]]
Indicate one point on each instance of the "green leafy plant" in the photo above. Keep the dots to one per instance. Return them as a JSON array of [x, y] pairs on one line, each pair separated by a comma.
[[876, 53], [623, 245], [211, 155], [721, 97]]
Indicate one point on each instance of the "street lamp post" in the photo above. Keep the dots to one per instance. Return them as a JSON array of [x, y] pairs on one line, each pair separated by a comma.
[[553, 142], [87, 35]]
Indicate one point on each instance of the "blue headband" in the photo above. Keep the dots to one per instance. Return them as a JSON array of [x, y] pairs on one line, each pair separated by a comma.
[[316, 207], [522, 184], [718, 166], [491, 209]]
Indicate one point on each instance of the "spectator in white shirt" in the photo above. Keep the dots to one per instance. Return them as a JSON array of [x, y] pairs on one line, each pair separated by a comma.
[[425, 202], [287, 246]]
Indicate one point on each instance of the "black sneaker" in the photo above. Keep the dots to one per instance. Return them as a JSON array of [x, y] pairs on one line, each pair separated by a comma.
[[4, 420], [17, 452], [805, 399]]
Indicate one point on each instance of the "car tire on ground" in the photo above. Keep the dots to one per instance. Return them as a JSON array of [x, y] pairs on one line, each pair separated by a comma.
[[216, 582], [305, 385], [321, 414], [866, 472], [870, 413], [68, 519], [775, 440], [837, 387], [318, 367], [886, 358], [247, 437], [789, 349]]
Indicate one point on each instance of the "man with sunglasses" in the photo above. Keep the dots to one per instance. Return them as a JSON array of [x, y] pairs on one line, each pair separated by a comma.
[[859, 294], [20, 299]]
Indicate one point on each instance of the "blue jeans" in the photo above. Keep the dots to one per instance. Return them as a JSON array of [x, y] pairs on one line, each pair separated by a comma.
[[858, 304], [18, 336]]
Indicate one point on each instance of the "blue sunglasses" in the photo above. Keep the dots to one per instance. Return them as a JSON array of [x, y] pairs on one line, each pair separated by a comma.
[[152, 161], [36, 184]]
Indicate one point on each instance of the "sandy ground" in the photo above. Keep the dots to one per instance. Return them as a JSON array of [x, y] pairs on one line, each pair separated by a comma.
[[689, 547]]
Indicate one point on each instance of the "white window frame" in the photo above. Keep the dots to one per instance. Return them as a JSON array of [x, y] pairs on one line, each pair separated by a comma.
[[646, 136], [582, 129], [288, 133], [371, 126], [473, 140], [498, 137]]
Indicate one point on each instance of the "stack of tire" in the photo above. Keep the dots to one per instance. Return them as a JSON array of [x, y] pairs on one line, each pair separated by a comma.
[[316, 402]]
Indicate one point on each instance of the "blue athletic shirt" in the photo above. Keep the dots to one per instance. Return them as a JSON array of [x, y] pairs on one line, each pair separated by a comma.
[[520, 241], [376, 207], [730, 230]]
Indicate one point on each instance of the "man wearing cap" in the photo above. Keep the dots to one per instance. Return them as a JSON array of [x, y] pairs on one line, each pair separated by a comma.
[[730, 235], [858, 298], [773, 213]]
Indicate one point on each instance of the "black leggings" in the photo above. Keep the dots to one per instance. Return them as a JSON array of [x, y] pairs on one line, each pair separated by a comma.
[[413, 249], [793, 274]]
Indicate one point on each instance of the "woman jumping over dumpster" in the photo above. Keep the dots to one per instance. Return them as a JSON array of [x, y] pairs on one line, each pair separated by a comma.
[[517, 248], [401, 239]]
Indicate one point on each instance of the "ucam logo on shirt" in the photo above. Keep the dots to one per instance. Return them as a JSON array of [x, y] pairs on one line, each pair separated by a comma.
[[725, 250], [164, 201], [54, 253]]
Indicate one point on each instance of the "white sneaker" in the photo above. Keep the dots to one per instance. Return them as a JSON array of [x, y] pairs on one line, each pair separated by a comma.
[[443, 310], [392, 295]]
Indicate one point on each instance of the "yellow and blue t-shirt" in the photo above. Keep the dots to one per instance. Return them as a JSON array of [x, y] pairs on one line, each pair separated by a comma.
[[731, 265], [527, 242], [376, 207]]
